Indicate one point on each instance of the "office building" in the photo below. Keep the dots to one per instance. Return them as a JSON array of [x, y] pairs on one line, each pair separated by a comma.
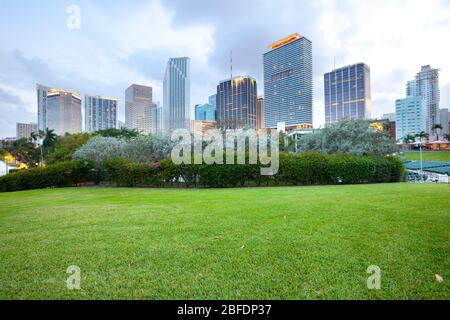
[[348, 93], [63, 111], [288, 83], [205, 111], [138, 108], [100, 113], [24, 130], [260, 113], [237, 103], [177, 98], [444, 119]]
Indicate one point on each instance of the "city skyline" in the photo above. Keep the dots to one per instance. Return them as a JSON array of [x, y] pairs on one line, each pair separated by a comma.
[[90, 59]]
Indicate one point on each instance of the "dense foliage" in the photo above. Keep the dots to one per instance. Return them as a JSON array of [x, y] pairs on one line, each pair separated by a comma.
[[64, 174], [355, 137]]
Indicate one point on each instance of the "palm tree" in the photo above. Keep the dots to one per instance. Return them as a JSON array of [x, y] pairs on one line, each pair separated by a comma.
[[46, 140], [409, 138], [447, 136], [422, 135], [435, 128]]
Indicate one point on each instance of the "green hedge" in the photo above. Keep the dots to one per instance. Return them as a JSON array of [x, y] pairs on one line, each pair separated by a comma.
[[64, 174], [305, 169]]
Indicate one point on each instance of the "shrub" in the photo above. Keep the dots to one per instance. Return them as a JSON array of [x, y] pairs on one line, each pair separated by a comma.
[[64, 174], [304, 169]]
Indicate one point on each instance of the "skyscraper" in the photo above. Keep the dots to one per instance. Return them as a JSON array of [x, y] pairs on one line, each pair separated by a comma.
[[100, 113], [408, 117], [237, 103], [288, 83], [157, 117], [61, 111], [41, 92], [177, 96], [24, 130], [347, 93], [138, 108], [427, 87], [444, 119], [260, 113]]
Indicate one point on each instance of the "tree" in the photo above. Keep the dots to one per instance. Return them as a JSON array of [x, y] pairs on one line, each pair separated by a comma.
[[354, 137], [435, 128], [447, 136], [122, 133], [66, 146], [25, 152], [408, 139], [422, 136]]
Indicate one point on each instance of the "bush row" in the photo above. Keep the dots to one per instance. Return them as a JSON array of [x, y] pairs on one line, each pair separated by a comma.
[[305, 169], [64, 174]]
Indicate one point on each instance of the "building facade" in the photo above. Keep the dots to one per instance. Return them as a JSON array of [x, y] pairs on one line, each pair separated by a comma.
[[63, 111], [205, 111], [408, 117], [288, 83], [138, 108], [260, 113], [348, 93], [100, 113], [444, 118], [24, 130], [41, 92], [157, 117], [177, 96], [237, 103], [427, 87]]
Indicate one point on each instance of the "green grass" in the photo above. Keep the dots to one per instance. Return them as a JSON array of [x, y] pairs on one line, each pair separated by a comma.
[[257, 243], [428, 156]]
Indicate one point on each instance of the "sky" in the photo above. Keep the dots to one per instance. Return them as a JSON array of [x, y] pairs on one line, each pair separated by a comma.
[[124, 42]]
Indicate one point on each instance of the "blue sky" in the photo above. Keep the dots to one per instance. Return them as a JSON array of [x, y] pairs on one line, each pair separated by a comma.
[[124, 42]]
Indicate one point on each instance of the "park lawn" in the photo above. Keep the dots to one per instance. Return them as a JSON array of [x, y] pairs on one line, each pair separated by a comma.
[[256, 243], [443, 156]]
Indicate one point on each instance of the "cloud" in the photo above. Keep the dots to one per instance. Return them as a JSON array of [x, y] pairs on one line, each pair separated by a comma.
[[122, 43]]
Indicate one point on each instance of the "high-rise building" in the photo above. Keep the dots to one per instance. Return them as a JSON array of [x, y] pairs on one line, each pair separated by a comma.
[[59, 110], [408, 117], [100, 113], [157, 117], [41, 92], [205, 111], [177, 96], [260, 113], [24, 130], [63, 111], [444, 119], [237, 103], [288, 83], [427, 87], [138, 108], [120, 124], [212, 100], [347, 93]]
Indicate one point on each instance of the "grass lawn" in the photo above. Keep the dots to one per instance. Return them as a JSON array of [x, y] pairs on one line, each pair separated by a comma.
[[428, 156], [267, 243]]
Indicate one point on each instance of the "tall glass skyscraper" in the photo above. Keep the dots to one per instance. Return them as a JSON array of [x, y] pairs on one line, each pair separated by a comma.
[[177, 94], [237, 103], [348, 93], [100, 113], [288, 83], [138, 108]]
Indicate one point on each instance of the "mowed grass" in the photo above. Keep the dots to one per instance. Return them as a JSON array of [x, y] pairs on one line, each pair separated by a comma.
[[256, 243], [443, 156]]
